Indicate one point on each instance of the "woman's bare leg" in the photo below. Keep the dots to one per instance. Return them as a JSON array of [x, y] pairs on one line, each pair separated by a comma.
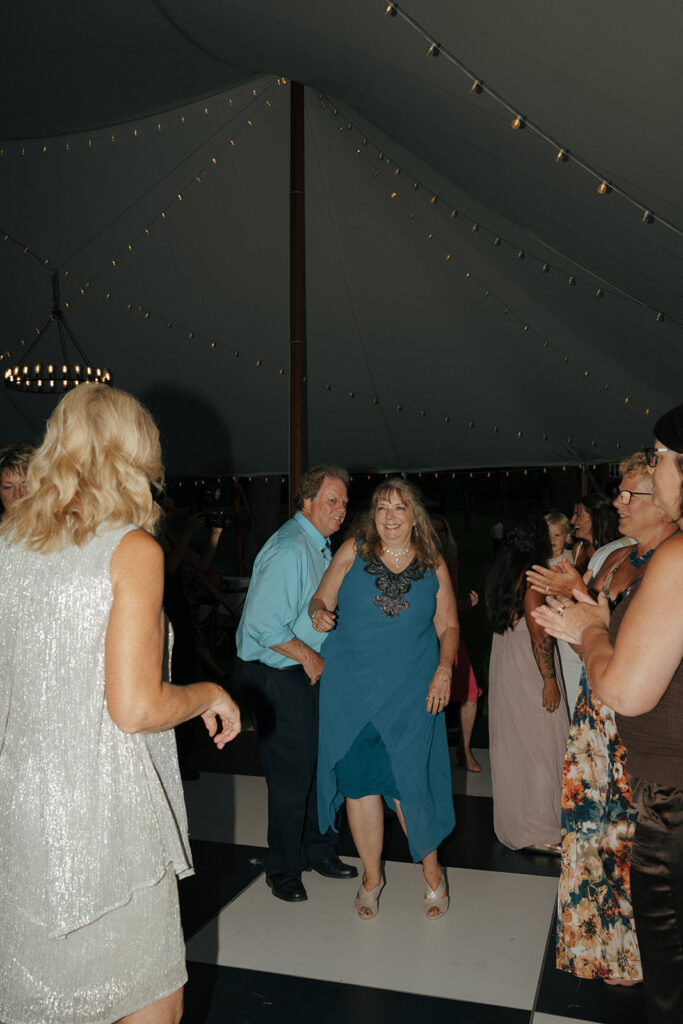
[[366, 821], [430, 863], [468, 713], [168, 1010]]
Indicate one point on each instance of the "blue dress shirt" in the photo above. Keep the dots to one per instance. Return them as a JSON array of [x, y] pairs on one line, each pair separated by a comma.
[[286, 574]]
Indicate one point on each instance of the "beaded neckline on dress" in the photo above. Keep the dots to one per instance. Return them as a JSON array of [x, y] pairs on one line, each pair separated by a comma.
[[392, 586]]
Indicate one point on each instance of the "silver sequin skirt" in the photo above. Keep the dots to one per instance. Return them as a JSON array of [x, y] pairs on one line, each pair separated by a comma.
[[116, 965]]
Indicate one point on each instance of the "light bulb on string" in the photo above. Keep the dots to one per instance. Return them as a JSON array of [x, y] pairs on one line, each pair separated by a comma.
[[562, 156], [517, 123], [603, 188], [434, 50], [647, 218], [476, 87], [391, 10]]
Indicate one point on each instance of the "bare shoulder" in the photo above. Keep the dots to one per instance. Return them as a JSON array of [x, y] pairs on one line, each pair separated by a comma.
[[138, 552], [346, 553], [667, 559]]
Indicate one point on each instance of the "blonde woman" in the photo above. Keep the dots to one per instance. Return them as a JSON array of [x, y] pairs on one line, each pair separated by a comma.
[[92, 822]]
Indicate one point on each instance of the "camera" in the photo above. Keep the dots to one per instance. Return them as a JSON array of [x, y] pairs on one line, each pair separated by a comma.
[[208, 503]]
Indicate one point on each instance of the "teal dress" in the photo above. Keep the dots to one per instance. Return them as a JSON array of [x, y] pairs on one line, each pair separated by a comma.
[[374, 723]]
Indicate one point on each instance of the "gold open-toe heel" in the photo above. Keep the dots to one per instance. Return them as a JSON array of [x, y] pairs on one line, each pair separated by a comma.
[[367, 901], [436, 900]]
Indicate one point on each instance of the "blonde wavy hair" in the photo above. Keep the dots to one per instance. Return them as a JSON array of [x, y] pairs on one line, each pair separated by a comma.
[[100, 454], [424, 539]]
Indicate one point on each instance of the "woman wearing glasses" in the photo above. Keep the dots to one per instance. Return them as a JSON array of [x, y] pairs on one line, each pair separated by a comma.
[[634, 661], [595, 933]]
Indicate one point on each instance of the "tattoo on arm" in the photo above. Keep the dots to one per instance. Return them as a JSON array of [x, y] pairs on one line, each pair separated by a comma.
[[543, 653]]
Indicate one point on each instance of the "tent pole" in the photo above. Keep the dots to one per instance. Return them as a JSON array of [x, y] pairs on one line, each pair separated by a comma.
[[297, 291]]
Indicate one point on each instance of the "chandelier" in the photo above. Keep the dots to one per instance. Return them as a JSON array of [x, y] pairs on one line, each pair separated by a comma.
[[58, 375]]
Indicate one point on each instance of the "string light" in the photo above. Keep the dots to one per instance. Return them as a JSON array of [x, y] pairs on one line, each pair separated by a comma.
[[449, 257], [519, 121]]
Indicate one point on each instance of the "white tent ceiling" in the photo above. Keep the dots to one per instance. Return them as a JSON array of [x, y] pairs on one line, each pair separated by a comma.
[[406, 303]]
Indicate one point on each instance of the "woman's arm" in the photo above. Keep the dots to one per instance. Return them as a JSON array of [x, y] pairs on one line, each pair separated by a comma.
[[138, 699], [210, 550], [448, 633], [321, 607], [543, 648], [632, 676]]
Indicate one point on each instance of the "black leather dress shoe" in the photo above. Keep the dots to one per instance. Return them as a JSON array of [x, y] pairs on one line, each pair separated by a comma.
[[335, 868], [287, 887]]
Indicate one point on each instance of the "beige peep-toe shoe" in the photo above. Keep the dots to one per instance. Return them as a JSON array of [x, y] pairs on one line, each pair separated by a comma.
[[367, 901], [436, 900]]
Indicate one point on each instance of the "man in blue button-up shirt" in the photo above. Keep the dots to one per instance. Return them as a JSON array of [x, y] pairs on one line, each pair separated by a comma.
[[282, 665]]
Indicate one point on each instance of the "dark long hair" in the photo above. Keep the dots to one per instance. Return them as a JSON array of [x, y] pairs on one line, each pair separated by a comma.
[[526, 542], [604, 518]]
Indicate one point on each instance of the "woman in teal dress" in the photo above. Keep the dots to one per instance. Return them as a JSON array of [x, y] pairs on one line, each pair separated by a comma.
[[388, 604]]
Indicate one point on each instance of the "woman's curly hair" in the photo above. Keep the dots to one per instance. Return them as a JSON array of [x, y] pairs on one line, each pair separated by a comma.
[[526, 542]]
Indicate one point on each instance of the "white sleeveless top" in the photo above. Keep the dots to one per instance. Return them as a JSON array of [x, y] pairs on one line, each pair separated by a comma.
[[88, 814]]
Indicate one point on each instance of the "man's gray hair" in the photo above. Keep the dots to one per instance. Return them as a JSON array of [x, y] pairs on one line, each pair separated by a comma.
[[311, 482]]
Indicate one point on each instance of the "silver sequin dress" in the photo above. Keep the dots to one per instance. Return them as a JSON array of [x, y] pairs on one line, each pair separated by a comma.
[[92, 821]]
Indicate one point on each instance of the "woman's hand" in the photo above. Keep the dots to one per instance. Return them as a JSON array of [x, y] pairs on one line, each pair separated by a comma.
[[563, 579], [323, 621], [472, 599], [551, 695], [439, 690], [225, 712], [568, 621]]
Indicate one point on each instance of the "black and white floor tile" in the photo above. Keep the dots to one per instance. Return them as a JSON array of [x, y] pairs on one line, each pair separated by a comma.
[[256, 960]]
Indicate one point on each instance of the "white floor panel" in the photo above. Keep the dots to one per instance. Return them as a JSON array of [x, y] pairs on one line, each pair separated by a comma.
[[488, 948], [228, 808], [547, 1018]]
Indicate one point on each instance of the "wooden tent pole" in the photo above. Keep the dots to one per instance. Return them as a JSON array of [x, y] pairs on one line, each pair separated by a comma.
[[297, 306]]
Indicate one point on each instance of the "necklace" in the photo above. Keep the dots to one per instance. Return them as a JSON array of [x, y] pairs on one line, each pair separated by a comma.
[[638, 560], [396, 555]]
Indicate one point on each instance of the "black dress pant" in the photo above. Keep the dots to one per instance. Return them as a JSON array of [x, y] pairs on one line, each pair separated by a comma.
[[284, 708], [657, 892]]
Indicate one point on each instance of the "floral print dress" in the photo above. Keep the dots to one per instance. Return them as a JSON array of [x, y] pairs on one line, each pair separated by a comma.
[[596, 935]]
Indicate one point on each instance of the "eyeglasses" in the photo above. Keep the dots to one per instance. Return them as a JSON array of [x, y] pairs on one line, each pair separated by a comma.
[[625, 496], [651, 454]]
